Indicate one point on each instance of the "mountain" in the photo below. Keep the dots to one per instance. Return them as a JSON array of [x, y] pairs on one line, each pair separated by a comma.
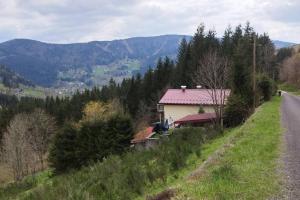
[[281, 44], [92, 63], [80, 65], [10, 79]]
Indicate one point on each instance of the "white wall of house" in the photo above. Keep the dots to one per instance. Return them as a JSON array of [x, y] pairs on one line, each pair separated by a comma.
[[175, 112]]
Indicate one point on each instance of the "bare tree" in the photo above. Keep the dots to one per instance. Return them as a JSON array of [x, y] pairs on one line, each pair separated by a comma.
[[26, 142], [290, 70], [41, 127], [212, 73], [15, 146]]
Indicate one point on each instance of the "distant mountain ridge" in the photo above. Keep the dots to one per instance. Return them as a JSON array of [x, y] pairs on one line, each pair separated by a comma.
[[91, 63], [281, 44], [43, 63]]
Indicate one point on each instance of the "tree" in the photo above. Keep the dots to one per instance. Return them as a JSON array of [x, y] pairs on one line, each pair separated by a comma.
[[62, 153], [16, 147], [41, 127], [290, 71], [26, 141], [212, 73], [95, 110]]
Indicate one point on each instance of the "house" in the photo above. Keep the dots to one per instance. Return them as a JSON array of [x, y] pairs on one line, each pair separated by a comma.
[[179, 107], [182, 105]]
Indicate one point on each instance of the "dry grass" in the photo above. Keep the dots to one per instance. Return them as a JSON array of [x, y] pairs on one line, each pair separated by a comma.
[[6, 175]]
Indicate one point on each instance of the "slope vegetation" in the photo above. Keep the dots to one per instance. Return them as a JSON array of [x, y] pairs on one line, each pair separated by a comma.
[[240, 164], [246, 166]]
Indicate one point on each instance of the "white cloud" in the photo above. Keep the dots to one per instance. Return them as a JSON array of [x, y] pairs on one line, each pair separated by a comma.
[[64, 21]]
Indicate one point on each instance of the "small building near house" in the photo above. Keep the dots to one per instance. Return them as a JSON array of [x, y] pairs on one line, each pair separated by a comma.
[[178, 104], [144, 139], [196, 119]]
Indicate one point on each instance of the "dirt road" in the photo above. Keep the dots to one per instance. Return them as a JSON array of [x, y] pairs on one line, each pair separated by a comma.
[[291, 121]]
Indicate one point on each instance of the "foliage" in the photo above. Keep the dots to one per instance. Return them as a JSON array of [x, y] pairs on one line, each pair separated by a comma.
[[283, 54], [290, 72], [201, 110], [129, 175], [95, 111], [91, 141], [236, 110], [62, 153], [265, 87], [26, 142]]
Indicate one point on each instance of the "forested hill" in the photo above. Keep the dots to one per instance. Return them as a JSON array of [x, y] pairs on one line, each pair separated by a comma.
[[92, 63], [11, 79], [88, 64]]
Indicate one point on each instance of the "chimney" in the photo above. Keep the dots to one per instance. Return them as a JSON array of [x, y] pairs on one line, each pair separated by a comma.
[[183, 87], [198, 86]]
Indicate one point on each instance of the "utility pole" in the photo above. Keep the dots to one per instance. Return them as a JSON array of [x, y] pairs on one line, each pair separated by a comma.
[[254, 72]]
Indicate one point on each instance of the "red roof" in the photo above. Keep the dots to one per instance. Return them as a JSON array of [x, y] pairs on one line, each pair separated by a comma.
[[196, 118], [143, 135], [190, 96]]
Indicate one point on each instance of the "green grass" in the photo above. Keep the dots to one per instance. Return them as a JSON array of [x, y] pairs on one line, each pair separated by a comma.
[[247, 170], [289, 88], [102, 73], [37, 92], [34, 92], [177, 179], [15, 190]]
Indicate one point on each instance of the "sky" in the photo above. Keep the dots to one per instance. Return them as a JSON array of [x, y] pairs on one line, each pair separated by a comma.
[[68, 21]]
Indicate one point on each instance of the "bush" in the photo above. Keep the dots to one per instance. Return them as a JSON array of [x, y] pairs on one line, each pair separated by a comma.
[[236, 111], [100, 139], [265, 87], [93, 141], [201, 110]]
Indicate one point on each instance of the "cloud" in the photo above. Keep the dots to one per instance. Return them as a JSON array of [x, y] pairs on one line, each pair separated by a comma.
[[64, 21]]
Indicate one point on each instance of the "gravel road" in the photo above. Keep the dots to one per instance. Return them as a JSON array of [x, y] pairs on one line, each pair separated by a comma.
[[290, 117]]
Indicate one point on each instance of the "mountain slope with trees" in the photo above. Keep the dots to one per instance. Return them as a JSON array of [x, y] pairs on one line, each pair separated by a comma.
[[46, 64], [11, 79]]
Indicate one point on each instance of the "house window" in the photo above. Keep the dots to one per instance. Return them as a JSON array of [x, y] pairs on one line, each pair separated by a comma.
[[160, 108]]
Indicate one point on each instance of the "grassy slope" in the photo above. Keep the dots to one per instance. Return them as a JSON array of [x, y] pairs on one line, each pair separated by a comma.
[[176, 179], [36, 92], [247, 170]]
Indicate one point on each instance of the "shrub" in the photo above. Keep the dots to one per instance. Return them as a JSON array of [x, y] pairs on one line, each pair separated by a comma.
[[92, 141], [100, 139], [236, 111], [201, 110], [265, 86]]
